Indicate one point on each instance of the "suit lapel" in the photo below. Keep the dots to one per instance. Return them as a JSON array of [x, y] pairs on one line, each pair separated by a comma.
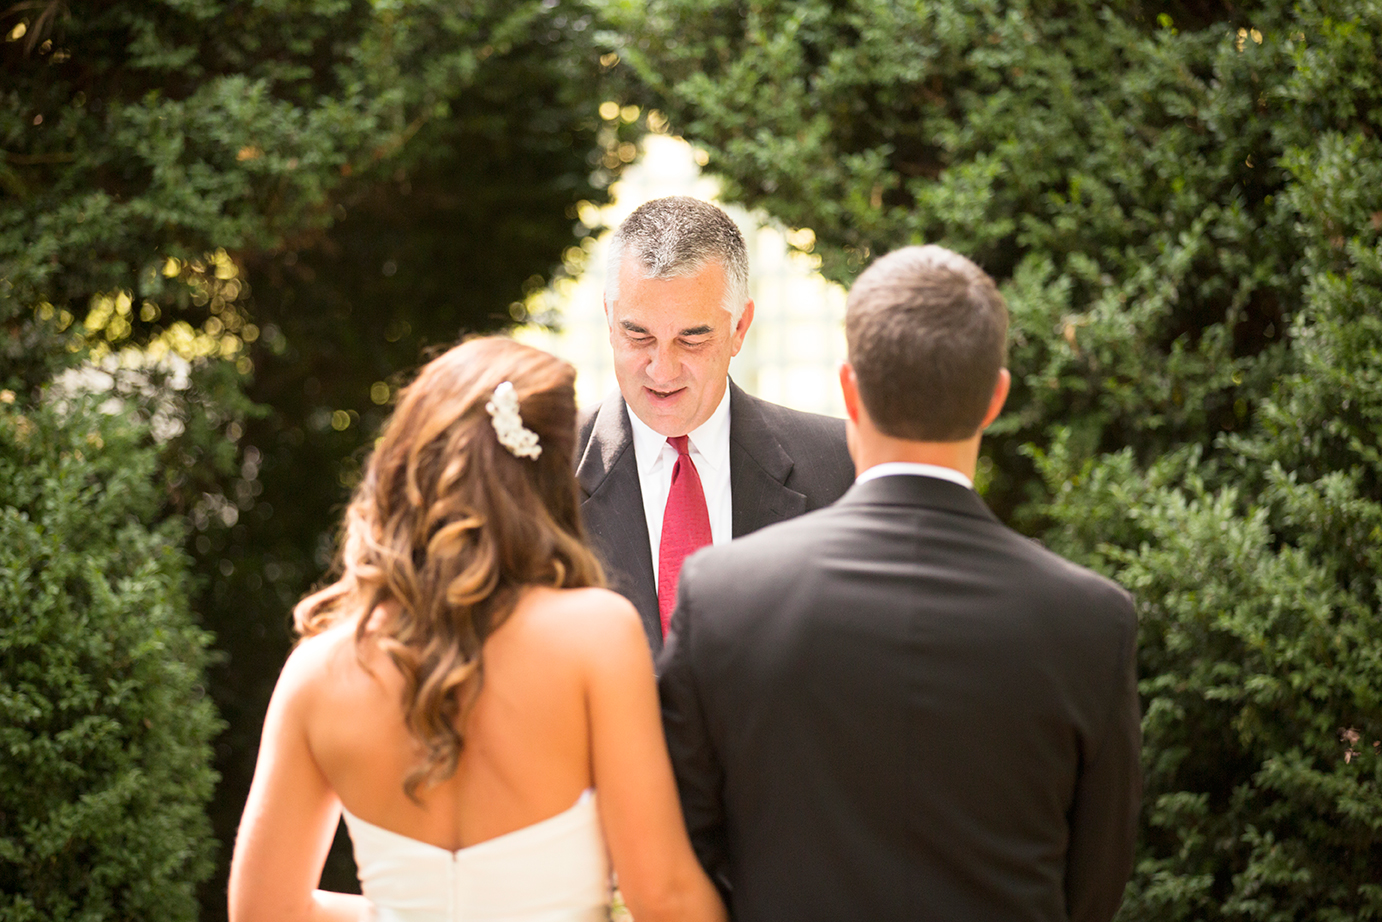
[[758, 468], [612, 511]]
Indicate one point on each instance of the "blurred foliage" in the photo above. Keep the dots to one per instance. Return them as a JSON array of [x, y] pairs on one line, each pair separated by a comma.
[[105, 722], [1183, 204], [1115, 167], [296, 202]]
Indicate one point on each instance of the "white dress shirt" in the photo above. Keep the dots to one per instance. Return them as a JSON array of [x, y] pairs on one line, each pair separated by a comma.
[[709, 447], [889, 468]]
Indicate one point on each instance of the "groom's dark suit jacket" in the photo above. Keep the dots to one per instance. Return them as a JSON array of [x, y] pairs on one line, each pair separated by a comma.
[[897, 708], [782, 463]]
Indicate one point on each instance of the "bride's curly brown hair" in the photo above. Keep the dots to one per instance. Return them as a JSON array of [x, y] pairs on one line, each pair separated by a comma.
[[452, 527]]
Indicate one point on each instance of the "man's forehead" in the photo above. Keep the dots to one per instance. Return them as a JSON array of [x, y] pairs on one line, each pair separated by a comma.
[[681, 306]]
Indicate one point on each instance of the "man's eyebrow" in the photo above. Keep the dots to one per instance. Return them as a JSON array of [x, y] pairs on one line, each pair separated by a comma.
[[703, 330]]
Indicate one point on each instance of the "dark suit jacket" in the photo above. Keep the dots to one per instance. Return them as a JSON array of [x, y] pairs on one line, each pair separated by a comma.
[[781, 463], [897, 708]]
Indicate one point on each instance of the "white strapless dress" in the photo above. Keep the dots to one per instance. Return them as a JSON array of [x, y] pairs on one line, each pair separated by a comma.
[[556, 870]]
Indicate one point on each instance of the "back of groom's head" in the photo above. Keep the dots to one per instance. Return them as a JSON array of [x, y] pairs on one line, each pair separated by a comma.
[[927, 333]]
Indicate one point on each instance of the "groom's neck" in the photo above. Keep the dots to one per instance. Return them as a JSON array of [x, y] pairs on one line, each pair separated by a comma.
[[870, 448]]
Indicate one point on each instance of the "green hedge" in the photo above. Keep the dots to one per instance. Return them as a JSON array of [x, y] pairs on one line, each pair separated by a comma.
[[1261, 604], [105, 725]]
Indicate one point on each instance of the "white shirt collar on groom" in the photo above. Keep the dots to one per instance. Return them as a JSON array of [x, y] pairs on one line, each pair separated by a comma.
[[892, 468]]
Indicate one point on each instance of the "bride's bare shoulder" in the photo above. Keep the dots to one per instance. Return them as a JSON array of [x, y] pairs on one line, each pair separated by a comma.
[[597, 602], [321, 658], [582, 617]]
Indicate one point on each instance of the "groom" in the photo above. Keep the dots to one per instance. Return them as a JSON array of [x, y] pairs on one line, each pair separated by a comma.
[[895, 707]]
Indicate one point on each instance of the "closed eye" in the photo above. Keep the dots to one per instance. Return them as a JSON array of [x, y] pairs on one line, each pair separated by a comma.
[[696, 336]]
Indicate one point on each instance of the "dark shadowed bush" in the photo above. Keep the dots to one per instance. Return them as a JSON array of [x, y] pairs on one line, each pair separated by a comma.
[[105, 724]]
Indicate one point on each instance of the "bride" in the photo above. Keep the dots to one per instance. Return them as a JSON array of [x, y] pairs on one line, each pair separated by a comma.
[[481, 712]]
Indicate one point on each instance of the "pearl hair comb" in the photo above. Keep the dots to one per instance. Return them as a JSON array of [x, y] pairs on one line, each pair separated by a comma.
[[508, 423]]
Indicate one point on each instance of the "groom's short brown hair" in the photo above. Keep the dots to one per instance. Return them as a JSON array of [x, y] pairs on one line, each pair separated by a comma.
[[927, 333]]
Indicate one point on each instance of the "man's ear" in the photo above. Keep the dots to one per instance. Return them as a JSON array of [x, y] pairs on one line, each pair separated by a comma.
[[849, 387], [1000, 395], [741, 329]]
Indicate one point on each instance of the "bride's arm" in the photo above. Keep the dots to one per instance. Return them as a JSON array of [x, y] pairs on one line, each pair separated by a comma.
[[659, 876], [290, 817]]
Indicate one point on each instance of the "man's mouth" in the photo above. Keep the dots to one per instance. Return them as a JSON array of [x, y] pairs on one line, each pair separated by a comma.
[[664, 395]]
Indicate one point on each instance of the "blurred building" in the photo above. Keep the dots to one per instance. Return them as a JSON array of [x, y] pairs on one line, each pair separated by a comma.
[[796, 342]]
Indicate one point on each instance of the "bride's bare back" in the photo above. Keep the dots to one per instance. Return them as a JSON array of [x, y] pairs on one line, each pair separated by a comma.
[[568, 702], [528, 749]]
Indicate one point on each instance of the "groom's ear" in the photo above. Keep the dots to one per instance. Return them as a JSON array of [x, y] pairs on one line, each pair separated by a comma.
[[1000, 396], [849, 387]]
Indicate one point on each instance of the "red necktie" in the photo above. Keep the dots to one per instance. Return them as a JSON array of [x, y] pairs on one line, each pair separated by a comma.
[[685, 527]]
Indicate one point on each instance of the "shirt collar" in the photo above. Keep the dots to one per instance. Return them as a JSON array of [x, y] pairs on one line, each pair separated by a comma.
[[891, 468], [710, 439]]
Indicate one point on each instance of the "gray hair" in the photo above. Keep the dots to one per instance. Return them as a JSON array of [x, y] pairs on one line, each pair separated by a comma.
[[678, 236]]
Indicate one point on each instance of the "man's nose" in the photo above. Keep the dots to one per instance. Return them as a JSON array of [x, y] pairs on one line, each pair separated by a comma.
[[664, 365]]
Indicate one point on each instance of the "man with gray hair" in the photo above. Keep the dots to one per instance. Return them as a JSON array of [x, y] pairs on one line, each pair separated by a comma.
[[680, 457]]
